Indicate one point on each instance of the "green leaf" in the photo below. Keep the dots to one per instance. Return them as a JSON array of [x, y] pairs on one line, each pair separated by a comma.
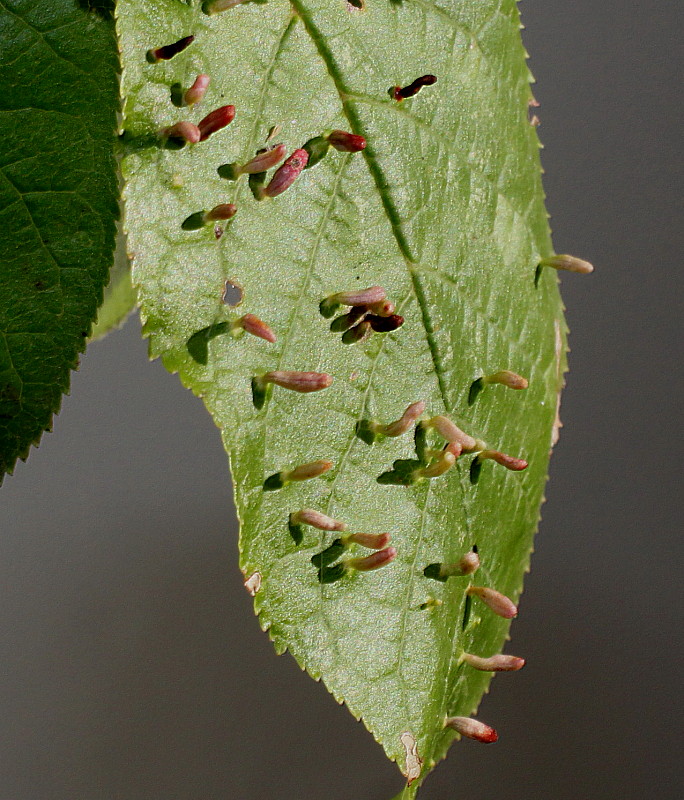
[[119, 296], [444, 208], [58, 202]]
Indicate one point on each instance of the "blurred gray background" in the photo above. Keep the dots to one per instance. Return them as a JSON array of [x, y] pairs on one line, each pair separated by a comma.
[[131, 666]]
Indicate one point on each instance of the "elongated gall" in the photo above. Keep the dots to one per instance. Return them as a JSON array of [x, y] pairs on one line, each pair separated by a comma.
[[373, 541], [169, 51], [221, 212], [381, 558], [287, 174], [443, 464], [257, 327], [197, 91], [346, 142], [497, 602], [452, 433], [510, 462], [399, 93], [305, 472], [199, 219], [359, 297], [405, 422], [507, 378], [472, 729], [216, 120], [308, 516], [183, 131], [455, 448], [498, 663], [303, 382], [302, 473], [468, 564], [568, 263], [264, 160]]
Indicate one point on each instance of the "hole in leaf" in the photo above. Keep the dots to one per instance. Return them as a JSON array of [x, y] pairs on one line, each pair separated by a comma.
[[232, 294], [358, 4]]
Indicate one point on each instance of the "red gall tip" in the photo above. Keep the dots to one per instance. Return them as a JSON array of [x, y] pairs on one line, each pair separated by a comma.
[[510, 462], [455, 448], [346, 142], [374, 561], [472, 729], [286, 175], [497, 663], [501, 605], [184, 131], [197, 91], [257, 327], [383, 308], [406, 421], [216, 120]]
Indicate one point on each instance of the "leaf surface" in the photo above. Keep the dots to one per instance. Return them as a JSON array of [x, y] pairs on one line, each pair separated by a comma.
[[58, 202], [444, 208], [119, 298]]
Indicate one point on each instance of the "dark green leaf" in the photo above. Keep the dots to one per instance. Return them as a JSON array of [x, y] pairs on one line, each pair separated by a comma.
[[58, 202]]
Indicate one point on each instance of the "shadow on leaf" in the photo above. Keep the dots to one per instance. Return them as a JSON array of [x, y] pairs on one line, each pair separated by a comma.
[[198, 343]]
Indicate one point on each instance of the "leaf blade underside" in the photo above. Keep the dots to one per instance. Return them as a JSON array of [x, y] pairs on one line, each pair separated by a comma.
[[445, 210], [58, 203]]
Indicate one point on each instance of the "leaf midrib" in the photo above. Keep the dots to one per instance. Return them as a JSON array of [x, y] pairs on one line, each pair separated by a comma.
[[411, 264]]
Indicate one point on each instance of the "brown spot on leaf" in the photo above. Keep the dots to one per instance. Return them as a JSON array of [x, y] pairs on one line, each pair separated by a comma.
[[253, 583], [414, 763]]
